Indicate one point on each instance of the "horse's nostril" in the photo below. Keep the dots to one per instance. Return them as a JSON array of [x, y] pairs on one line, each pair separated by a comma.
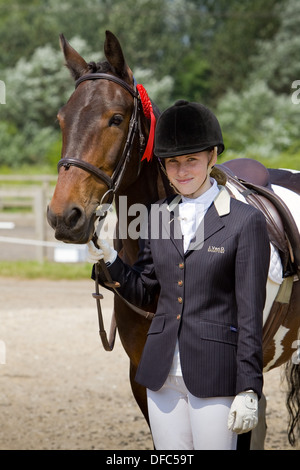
[[51, 218], [73, 217]]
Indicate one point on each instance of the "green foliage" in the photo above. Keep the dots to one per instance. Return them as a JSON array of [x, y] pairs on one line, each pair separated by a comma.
[[277, 61], [239, 58], [158, 90], [246, 25], [53, 154], [193, 77], [257, 122], [35, 90]]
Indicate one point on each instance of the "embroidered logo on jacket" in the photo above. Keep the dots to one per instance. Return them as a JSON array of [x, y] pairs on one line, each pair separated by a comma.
[[216, 249]]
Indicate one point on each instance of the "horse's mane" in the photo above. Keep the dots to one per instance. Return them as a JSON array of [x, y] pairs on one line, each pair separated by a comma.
[[101, 67]]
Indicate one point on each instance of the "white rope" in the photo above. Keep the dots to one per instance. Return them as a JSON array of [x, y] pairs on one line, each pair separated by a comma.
[[27, 241]]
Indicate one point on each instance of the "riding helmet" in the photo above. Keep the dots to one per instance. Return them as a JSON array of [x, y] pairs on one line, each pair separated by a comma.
[[186, 128]]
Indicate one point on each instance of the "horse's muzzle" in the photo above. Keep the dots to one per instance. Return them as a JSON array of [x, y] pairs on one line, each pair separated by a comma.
[[72, 226]]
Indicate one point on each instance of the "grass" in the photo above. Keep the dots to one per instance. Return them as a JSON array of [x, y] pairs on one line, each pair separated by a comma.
[[28, 170], [46, 270]]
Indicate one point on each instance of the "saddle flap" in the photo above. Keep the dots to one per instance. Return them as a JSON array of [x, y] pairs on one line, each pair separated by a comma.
[[282, 229], [290, 228]]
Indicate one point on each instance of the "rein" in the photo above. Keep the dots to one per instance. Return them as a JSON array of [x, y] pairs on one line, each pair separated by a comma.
[[108, 344], [113, 184]]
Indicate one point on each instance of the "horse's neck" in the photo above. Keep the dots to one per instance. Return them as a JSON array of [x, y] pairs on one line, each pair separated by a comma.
[[149, 187]]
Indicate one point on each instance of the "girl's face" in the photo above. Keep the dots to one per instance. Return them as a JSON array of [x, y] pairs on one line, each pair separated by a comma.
[[189, 173]]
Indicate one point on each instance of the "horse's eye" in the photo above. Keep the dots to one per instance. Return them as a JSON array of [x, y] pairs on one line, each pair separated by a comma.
[[116, 120]]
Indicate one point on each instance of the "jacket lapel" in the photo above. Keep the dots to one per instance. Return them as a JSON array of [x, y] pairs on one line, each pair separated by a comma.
[[211, 223]]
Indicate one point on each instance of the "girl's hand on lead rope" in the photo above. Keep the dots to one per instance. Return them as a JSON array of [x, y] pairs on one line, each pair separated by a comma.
[[105, 252], [243, 415]]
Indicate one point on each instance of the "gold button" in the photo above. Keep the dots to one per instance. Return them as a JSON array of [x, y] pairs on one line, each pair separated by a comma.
[[180, 300], [181, 265], [178, 317], [180, 283]]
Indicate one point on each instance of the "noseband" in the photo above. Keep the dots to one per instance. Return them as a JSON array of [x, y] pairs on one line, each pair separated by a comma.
[[114, 181]]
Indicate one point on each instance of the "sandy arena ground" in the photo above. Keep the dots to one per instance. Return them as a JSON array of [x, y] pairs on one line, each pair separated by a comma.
[[59, 389]]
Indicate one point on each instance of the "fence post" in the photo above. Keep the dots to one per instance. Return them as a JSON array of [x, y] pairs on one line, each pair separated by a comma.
[[2, 93], [40, 224]]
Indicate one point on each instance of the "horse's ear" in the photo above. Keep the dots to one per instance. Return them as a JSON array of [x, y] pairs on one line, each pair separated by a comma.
[[114, 54], [75, 63]]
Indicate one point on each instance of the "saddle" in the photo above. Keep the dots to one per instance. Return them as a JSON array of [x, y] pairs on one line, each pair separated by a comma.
[[252, 179]]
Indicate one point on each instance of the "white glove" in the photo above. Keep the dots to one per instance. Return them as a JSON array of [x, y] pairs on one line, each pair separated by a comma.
[[243, 415], [105, 252]]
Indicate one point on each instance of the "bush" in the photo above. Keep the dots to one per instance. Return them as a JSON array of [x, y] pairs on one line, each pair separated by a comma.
[[257, 123]]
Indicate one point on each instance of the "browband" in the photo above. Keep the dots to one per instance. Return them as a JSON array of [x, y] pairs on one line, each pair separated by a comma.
[[105, 76]]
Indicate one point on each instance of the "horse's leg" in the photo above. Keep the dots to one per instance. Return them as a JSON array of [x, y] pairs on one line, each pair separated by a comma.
[[132, 330], [258, 434], [139, 392]]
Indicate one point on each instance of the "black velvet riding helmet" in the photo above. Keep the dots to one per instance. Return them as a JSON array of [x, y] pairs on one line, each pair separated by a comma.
[[186, 128]]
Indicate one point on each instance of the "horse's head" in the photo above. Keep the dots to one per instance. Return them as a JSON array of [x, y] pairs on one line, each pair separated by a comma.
[[97, 137]]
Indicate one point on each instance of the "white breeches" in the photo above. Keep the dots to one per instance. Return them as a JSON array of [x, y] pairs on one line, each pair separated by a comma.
[[179, 420]]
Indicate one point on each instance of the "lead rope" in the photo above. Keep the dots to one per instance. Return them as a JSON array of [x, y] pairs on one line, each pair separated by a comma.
[[108, 344]]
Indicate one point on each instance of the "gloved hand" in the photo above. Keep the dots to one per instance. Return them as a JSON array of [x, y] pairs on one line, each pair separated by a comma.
[[105, 252], [243, 415]]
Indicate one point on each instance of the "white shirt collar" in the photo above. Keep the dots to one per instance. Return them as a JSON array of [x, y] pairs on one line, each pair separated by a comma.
[[221, 201], [206, 198]]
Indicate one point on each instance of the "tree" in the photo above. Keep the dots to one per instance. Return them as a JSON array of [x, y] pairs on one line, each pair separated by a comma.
[[35, 90], [193, 78], [259, 124], [260, 120], [277, 61], [193, 49], [236, 42]]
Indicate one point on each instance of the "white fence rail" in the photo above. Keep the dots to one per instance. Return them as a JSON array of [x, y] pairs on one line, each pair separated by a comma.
[[32, 193]]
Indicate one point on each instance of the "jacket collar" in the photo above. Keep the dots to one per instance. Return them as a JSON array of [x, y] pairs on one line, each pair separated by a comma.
[[221, 202], [212, 221]]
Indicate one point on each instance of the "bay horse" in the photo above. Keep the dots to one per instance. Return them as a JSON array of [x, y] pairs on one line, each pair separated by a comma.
[[106, 125]]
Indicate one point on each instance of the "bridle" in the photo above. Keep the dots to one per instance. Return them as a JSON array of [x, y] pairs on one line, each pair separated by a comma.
[[113, 182]]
